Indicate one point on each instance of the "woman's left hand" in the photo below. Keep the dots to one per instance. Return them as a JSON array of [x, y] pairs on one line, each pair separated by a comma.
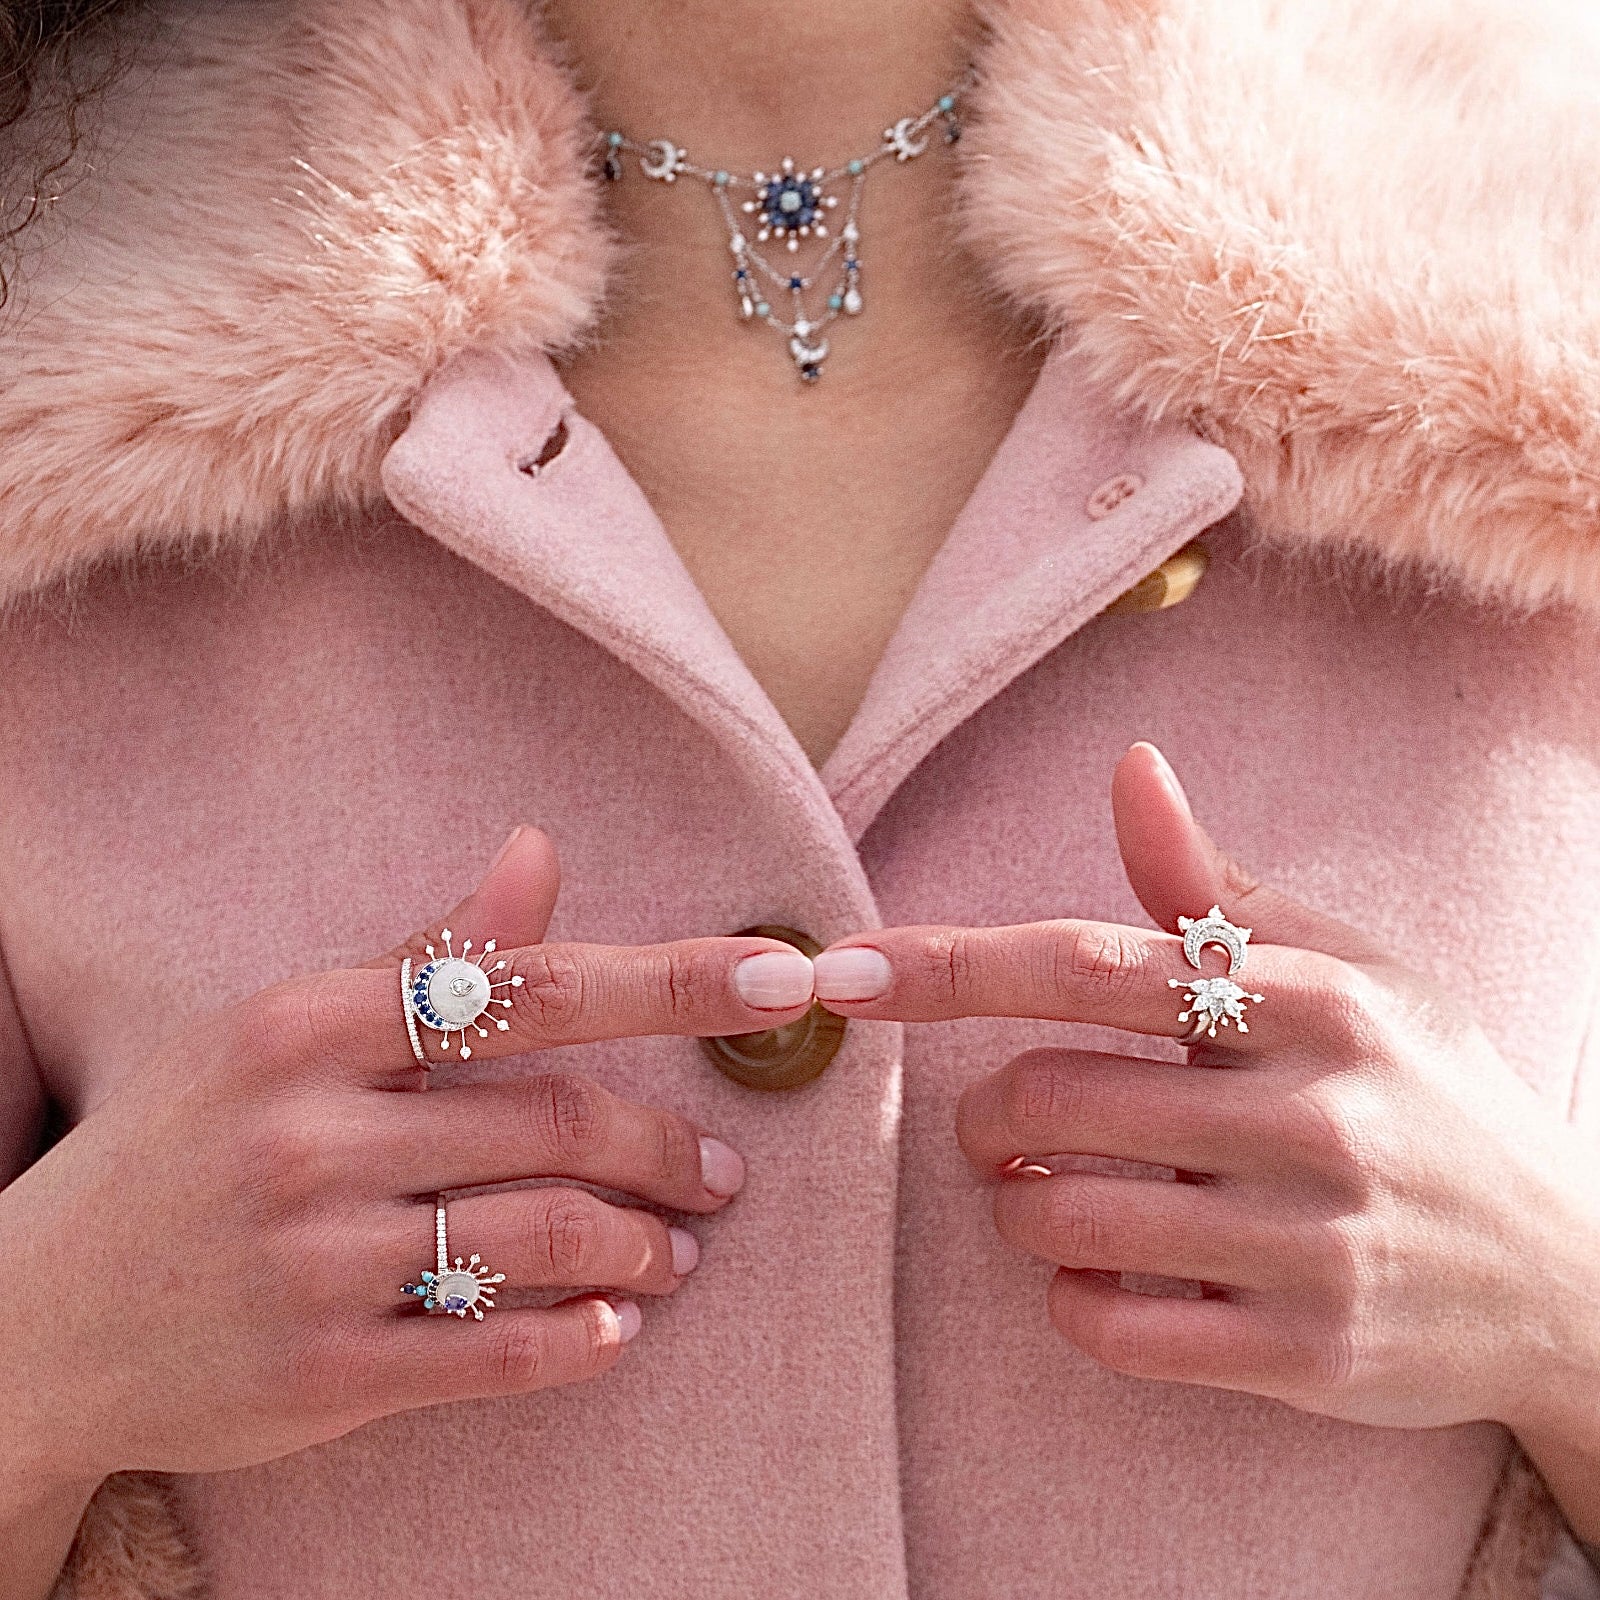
[[1387, 1224]]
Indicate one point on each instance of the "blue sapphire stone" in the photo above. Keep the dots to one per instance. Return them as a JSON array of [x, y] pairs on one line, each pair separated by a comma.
[[797, 282], [800, 212], [455, 1302]]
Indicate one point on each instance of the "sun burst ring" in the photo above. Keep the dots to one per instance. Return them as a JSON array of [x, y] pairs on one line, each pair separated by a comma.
[[453, 1290], [453, 994]]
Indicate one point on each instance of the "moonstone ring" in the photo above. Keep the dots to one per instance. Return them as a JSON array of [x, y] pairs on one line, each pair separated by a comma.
[[1212, 1002], [467, 1286], [450, 994]]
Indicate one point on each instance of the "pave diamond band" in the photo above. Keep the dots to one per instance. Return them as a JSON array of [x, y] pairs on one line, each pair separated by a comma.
[[454, 1290]]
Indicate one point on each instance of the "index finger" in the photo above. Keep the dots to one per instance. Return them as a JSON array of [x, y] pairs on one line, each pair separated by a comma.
[[1068, 970], [546, 995]]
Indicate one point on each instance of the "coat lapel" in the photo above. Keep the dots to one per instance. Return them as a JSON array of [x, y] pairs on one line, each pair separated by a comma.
[[1076, 506]]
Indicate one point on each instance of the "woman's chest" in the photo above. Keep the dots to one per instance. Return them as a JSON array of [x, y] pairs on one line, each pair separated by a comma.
[[214, 781]]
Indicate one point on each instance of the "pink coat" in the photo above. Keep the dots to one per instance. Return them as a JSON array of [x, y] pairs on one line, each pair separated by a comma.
[[307, 639]]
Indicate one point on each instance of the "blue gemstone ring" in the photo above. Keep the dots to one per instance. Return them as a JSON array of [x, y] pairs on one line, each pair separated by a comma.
[[454, 1290], [451, 994]]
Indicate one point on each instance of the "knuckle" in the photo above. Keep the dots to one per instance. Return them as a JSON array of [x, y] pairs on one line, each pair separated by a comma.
[[1334, 1127], [552, 989], [564, 1235], [274, 1026], [1089, 957], [951, 963], [566, 1115], [1074, 1224], [1318, 1365], [1119, 1341], [680, 985], [1350, 1003], [677, 1150], [283, 1161], [1042, 1090], [520, 1354], [334, 1372]]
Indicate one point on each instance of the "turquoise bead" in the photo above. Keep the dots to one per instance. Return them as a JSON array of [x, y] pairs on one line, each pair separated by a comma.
[[857, 167], [947, 102], [763, 309], [835, 301]]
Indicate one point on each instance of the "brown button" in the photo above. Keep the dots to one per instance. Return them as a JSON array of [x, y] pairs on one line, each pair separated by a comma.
[[1112, 493], [1170, 584], [786, 1057]]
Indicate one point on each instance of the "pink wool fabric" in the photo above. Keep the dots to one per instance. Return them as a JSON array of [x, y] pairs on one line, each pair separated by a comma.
[[364, 639]]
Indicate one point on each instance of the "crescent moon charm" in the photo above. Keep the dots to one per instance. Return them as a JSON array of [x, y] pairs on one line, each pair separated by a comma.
[[900, 139], [1213, 928], [808, 352], [663, 160]]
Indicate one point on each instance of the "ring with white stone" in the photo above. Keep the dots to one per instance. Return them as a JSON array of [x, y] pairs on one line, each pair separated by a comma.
[[1212, 1002], [450, 994], [467, 1286]]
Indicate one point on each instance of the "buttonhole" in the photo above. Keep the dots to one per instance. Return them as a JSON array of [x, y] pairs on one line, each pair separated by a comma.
[[536, 463]]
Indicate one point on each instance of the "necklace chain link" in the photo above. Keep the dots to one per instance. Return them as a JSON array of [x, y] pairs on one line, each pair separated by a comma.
[[791, 204]]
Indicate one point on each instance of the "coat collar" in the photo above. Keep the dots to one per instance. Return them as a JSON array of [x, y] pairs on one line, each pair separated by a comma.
[[1347, 239], [1035, 553]]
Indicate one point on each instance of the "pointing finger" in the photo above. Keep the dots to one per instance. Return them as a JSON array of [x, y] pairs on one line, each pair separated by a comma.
[[1103, 973]]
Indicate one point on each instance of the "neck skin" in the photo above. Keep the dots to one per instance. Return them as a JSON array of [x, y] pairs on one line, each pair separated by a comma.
[[742, 83], [806, 514]]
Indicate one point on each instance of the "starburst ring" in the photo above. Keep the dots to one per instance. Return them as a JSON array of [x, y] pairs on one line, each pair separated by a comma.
[[454, 1290], [450, 994], [1212, 1003]]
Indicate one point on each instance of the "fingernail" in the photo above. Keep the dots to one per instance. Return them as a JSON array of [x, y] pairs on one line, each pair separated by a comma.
[[853, 973], [629, 1319], [511, 839], [1170, 778], [685, 1252], [774, 980], [721, 1168]]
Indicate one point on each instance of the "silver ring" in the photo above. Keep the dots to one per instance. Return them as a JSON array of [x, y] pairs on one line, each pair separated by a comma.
[[450, 994], [1212, 1003], [467, 1286]]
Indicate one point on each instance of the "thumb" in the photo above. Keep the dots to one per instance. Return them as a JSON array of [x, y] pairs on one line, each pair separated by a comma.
[[1176, 870], [512, 903]]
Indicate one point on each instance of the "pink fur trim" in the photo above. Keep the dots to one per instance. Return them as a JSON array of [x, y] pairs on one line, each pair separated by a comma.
[[130, 1546], [307, 207], [1350, 240], [1354, 241], [1518, 1537]]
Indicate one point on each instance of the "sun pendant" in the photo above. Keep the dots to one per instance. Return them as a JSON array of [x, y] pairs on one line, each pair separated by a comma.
[[451, 993], [470, 1287], [791, 204]]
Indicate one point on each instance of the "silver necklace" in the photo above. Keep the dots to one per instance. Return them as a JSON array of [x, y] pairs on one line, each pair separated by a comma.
[[785, 207]]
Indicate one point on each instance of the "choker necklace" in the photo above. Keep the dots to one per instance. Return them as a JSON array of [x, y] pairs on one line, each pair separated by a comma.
[[784, 207]]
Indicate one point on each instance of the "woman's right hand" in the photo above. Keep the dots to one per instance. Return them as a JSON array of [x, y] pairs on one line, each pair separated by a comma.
[[205, 1273]]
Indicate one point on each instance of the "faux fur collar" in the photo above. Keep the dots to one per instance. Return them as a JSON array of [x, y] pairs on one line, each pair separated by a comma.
[[1352, 240]]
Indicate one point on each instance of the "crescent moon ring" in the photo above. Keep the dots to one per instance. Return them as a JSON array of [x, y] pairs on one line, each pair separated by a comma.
[[1214, 928], [663, 162]]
